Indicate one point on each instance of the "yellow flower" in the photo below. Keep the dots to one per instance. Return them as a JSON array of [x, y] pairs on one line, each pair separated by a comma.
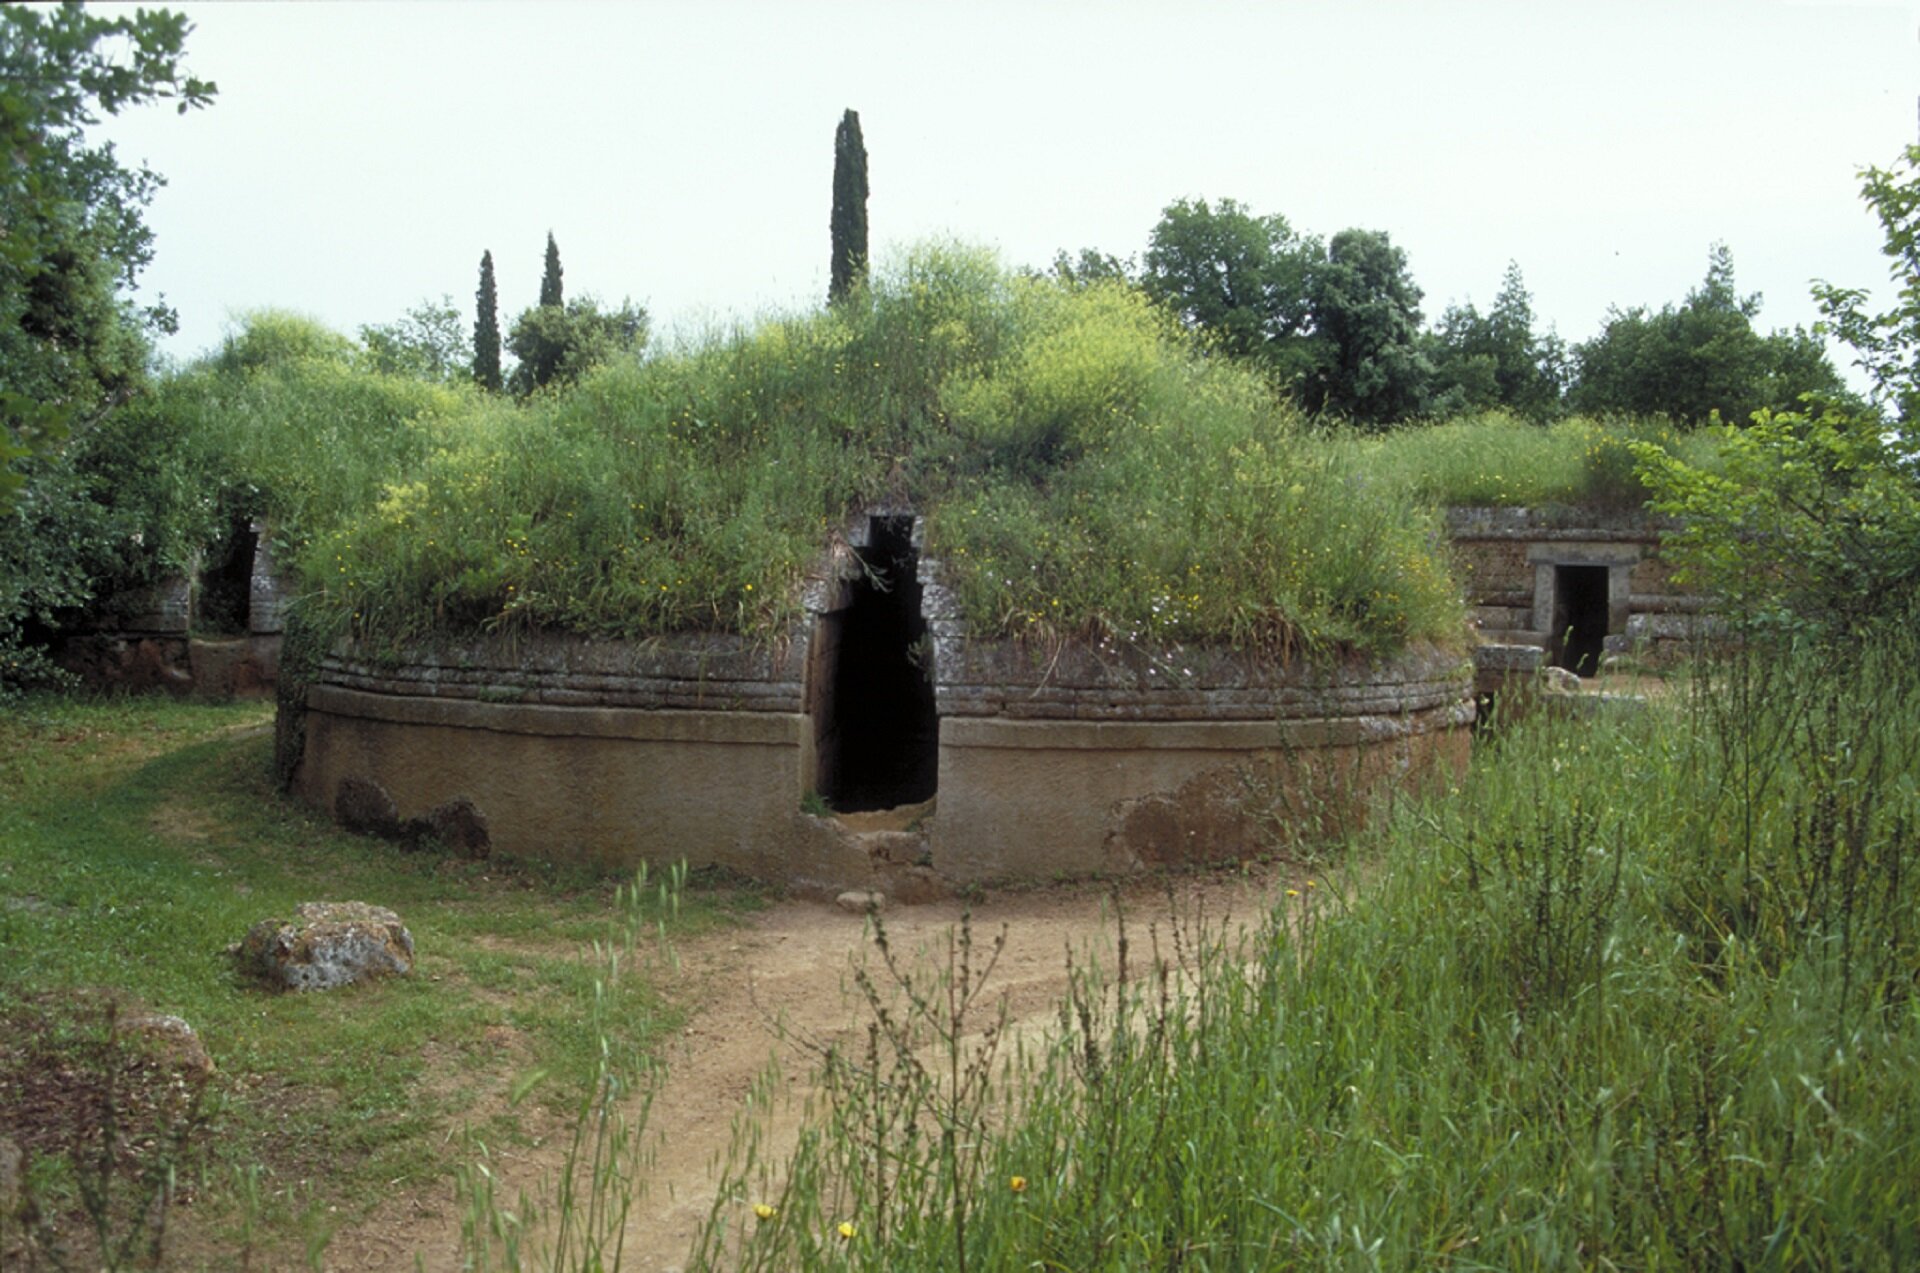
[[1293, 892], [847, 1230], [1018, 1184], [765, 1211]]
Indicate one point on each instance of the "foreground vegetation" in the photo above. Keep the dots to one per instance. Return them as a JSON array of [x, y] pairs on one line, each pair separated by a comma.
[[1639, 994], [141, 839]]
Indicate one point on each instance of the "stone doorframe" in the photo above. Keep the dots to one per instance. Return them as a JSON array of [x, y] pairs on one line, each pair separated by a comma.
[[1618, 559]]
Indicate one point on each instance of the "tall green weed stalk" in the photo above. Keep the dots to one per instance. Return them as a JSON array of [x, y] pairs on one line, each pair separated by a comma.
[[576, 1219]]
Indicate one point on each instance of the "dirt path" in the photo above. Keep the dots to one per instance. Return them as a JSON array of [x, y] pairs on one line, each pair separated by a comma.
[[790, 964]]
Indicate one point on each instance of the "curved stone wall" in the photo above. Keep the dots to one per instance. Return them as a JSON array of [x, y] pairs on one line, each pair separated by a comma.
[[1083, 761], [1068, 761]]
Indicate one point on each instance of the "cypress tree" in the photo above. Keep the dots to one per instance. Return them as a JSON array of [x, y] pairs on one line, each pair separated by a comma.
[[486, 329], [550, 281], [849, 207]]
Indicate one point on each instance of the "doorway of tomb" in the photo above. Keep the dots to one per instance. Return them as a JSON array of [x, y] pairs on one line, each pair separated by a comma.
[[877, 732], [224, 587], [1579, 629]]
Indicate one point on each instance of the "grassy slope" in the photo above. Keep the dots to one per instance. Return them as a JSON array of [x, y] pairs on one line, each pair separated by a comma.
[[141, 839]]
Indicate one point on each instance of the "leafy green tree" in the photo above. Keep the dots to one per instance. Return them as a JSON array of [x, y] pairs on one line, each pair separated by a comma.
[[486, 329], [429, 343], [556, 345], [1239, 279], [1365, 311], [1886, 346], [849, 220], [1703, 357], [1496, 359], [1809, 524], [550, 292], [72, 234]]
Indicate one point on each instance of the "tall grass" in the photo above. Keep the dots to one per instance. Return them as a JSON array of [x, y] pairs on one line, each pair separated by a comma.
[[1498, 460], [1639, 994]]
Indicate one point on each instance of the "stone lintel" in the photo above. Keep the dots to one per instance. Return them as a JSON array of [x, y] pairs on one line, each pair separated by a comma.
[[1583, 553]]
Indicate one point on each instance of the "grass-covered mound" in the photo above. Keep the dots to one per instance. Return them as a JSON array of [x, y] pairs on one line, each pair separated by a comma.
[[1080, 469]]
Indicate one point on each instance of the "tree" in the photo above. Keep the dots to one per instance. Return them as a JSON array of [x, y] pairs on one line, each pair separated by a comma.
[[1809, 522], [486, 329], [550, 277], [849, 221], [1337, 325], [1239, 279], [556, 345], [1094, 266], [1483, 361], [72, 234], [1886, 346], [429, 342], [1703, 357], [1366, 311]]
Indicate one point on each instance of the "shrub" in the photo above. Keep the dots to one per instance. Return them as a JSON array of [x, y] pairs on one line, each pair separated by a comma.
[[1810, 525]]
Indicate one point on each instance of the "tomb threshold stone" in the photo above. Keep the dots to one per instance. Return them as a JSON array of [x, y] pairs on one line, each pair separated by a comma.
[[328, 944]]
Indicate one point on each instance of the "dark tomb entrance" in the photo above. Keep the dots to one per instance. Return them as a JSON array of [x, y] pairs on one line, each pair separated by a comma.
[[878, 734], [1579, 618], [226, 584]]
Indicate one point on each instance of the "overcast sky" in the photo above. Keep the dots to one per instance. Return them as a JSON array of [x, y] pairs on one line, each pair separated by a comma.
[[360, 157]]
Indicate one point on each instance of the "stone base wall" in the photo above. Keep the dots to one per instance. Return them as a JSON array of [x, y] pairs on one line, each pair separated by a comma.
[[1040, 798], [1051, 763], [608, 786]]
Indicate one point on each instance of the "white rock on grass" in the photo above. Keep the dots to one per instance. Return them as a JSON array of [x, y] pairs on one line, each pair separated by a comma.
[[328, 944], [859, 901]]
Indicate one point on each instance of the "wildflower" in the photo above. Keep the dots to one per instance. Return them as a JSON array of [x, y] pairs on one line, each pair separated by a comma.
[[1293, 892], [765, 1211], [1018, 1184], [847, 1230]]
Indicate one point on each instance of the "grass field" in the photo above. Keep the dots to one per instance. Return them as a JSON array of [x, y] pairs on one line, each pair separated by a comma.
[[139, 838]]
